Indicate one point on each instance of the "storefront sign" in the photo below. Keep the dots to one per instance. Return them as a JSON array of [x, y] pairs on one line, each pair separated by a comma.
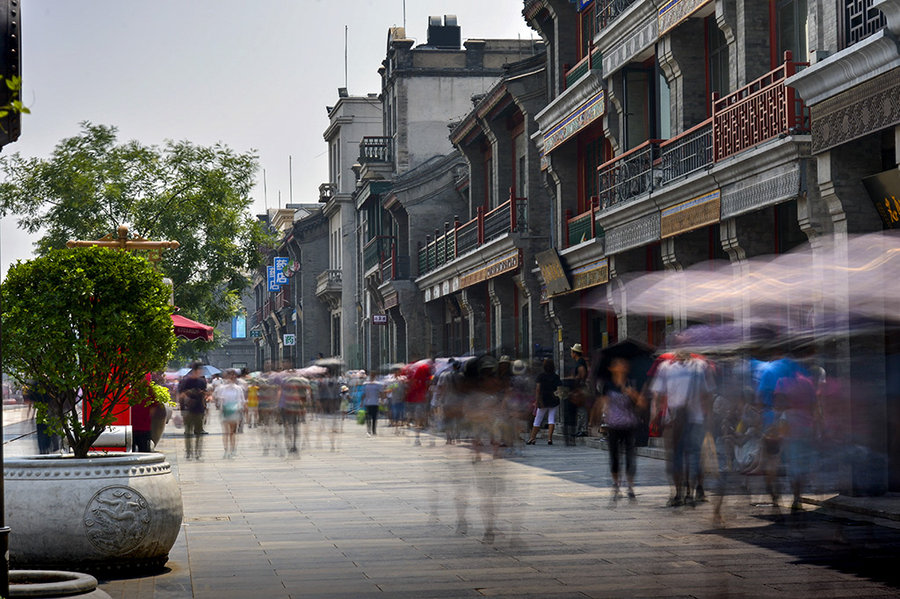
[[693, 214], [595, 273], [290, 340], [379, 319], [674, 12], [505, 263], [583, 116], [555, 278], [884, 189]]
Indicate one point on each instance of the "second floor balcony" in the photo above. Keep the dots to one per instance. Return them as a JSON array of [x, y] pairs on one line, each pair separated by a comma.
[[758, 112], [461, 238], [328, 287], [375, 250], [376, 149]]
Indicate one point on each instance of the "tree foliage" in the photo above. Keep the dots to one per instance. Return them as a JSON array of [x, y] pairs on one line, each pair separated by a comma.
[[85, 324], [198, 196]]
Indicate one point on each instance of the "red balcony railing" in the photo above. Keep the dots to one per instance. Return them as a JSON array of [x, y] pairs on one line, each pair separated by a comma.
[[762, 110], [462, 237]]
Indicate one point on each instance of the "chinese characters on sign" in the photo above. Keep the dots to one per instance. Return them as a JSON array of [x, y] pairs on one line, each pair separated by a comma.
[[290, 339], [275, 274]]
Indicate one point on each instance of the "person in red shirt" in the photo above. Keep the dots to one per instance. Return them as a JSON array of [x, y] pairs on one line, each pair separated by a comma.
[[418, 375]]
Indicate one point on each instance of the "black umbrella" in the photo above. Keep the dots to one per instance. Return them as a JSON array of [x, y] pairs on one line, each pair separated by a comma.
[[638, 354]]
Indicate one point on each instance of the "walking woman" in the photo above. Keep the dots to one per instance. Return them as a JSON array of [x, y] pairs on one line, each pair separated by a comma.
[[620, 403], [546, 400]]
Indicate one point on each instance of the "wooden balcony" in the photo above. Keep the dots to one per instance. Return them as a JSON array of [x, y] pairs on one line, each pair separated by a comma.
[[374, 251], [758, 112], [582, 67], [455, 240], [582, 227]]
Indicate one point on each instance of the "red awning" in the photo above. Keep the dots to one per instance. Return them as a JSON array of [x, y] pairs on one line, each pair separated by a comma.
[[190, 330]]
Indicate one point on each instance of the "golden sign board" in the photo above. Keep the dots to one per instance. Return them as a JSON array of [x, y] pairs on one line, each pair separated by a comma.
[[693, 214]]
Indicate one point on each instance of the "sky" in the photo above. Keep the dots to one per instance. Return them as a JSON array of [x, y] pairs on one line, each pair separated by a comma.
[[251, 74]]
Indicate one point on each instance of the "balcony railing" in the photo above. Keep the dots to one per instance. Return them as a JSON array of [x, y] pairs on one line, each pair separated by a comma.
[[686, 153], [628, 175], [858, 20], [374, 251], [329, 280], [588, 63], [375, 149], [757, 112], [326, 192], [463, 237], [582, 227], [608, 10]]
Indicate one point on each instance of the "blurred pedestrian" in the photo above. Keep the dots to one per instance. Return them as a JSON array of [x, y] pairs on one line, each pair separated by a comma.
[[230, 397], [295, 396], [546, 401], [192, 396], [683, 385], [372, 395], [620, 404]]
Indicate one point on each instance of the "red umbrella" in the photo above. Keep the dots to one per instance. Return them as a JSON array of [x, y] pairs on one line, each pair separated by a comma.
[[190, 329]]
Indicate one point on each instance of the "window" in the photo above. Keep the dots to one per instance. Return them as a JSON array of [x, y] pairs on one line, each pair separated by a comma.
[[586, 30], [790, 23], [716, 62], [647, 104]]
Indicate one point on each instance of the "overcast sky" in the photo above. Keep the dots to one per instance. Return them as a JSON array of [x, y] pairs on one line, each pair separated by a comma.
[[253, 74]]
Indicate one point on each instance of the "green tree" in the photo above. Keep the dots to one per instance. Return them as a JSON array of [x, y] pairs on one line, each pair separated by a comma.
[[85, 325], [198, 196]]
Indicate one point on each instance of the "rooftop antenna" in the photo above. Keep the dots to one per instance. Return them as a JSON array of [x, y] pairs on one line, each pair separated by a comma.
[[265, 194], [404, 15], [345, 56], [290, 179], [279, 199]]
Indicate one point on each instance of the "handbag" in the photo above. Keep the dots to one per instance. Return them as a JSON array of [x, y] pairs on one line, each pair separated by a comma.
[[178, 419]]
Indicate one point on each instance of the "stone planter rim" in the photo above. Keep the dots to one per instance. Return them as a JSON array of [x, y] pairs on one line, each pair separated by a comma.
[[59, 583]]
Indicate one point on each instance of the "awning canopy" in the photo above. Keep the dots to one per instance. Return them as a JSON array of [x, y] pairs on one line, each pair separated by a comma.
[[190, 329]]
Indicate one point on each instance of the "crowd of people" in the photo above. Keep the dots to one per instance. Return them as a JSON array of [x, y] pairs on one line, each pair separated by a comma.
[[719, 416]]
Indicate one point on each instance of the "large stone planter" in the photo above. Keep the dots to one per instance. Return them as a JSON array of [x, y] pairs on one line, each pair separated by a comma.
[[106, 511]]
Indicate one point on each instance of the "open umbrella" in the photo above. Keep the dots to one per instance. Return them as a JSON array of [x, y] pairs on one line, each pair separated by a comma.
[[191, 329], [638, 354], [208, 371]]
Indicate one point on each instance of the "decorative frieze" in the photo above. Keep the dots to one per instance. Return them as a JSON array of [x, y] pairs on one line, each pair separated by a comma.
[[589, 275], [741, 198], [673, 12], [631, 46], [580, 118], [635, 233], [692, 214], [866, 108]]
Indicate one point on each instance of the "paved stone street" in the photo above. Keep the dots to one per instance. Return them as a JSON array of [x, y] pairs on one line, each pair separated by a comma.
[[384, 517]]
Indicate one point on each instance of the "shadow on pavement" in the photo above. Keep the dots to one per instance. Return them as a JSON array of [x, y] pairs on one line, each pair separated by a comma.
[[853, 547]]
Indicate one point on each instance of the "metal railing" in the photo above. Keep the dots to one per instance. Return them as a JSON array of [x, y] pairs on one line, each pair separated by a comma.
[[686, 153], [759, 111], [628, 175], [463, 237], [608, 10], [762, 110], [375, 149]]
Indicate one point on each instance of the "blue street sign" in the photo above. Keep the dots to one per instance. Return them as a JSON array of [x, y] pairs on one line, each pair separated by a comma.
[[270, 275], [280, 264]]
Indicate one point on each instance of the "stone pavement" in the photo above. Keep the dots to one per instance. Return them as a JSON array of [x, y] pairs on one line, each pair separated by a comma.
[[384, 517]]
